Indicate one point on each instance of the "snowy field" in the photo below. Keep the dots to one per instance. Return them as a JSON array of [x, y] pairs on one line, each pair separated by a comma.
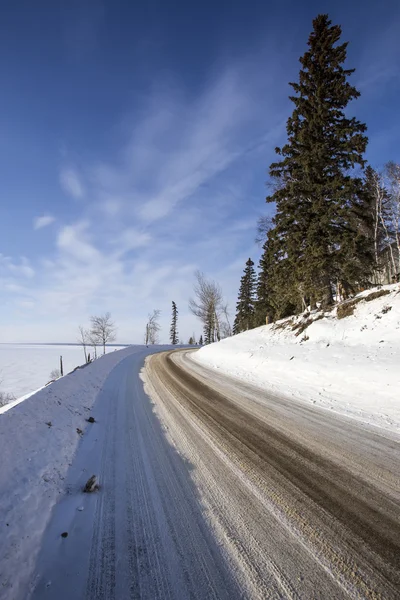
[[349, 365], [25, 368]]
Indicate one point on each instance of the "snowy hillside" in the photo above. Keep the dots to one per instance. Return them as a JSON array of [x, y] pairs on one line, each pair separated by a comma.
[[347, 360]]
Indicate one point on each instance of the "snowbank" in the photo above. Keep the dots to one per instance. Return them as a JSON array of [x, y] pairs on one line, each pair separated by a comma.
[[38, 439], [350, 365]]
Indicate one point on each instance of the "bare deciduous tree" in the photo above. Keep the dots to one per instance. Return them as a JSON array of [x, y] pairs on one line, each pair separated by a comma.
[[393, 178], [381, 220], [208, 306], [84, 340], [152, 328], [93, 341], [103, 330], [5, 397], [226, 328]]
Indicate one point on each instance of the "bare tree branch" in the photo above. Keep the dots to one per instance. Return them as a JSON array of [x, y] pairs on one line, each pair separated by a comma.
[[152, 328], [103, 330], [84, 340], [264, 224], [226, 328], [208, 306], [392, 171]]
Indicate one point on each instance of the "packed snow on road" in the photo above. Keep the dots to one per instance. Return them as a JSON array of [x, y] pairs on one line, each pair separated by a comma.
[[349, 364]]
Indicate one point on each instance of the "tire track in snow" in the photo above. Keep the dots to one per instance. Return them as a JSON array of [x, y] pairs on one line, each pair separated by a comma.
[[101, 576], [150, 538], [344, 529]]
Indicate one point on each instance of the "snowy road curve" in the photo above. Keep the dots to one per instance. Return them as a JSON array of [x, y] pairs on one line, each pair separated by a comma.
[[213, 489]]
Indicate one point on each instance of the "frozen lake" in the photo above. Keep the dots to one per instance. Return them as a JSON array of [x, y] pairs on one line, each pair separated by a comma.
[[27, 367]]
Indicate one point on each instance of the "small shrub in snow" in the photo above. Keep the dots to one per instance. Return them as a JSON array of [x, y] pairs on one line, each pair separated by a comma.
[[5, 398], [55, 374], [386, 309], [91, 420]]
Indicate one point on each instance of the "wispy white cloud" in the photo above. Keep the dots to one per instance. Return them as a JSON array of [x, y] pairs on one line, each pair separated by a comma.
[[131, 239], [171, 201], [73, 241], [111, 206], [180, 146], [43, 221], [71, 182], [22, 268]]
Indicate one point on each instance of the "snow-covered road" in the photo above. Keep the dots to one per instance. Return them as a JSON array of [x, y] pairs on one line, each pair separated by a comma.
[[143, 535], [215, 489], [302, 503]]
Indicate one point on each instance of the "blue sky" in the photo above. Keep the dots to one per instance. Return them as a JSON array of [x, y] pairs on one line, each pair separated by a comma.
[[135, 139]]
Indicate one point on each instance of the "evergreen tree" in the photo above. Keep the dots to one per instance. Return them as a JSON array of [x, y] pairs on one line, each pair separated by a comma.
[[173, 334], [269, 305], [209, 328], [201, 341], [245, 306], [316, 229]]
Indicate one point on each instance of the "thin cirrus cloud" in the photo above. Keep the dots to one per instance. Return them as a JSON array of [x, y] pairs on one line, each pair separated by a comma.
[[73, 241], [21, 269], [169, 202], [180, 146], [43, 221], [71, 183]]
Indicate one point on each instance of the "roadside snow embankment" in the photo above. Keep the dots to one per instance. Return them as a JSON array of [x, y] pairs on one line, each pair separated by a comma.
[[38, 439], [346, 360]]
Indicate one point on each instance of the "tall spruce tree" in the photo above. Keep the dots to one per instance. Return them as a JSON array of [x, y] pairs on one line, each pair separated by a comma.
[[316, 231], [269, 304], [173, 332], [245, 306]]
